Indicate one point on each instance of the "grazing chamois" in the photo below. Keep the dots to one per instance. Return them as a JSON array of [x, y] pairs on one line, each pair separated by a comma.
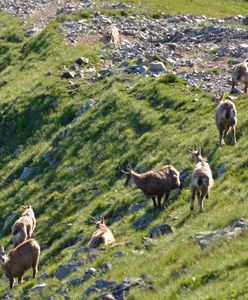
[[112, 35], [19, 260], [202, 179], [240, 73], [155, 183], [102, 235], [24, 226], [226, 118]]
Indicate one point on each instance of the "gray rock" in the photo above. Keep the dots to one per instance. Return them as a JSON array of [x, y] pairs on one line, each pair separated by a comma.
[[236, 91], [91, 271], [143, 222], [82, 61], [31, 32], [27, 171], [160, 230], [101, 285], [205, 239], [38, 287], [137, 207], [78, 252], [65, 270], [68, 75], [149, 243], [9, 221], [221, 170], [157, 67], [107, 267]]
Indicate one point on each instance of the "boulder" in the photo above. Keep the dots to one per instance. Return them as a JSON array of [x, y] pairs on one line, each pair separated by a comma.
[[160, 230], [157, 67], [65, 270], [205, 239]]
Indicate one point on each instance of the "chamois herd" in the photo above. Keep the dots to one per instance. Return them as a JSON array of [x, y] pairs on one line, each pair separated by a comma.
[[155, 184]]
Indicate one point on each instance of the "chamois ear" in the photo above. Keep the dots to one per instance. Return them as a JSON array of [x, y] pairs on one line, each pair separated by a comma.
[[2, 249], [129, 166], [102, 220], [199, 150], [219, 97]]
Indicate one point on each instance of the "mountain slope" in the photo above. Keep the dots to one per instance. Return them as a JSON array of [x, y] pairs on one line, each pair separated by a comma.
[[75, 154]]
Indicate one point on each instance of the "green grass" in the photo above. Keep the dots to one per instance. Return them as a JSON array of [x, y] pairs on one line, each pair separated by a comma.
[[148, 122], [218, 8]]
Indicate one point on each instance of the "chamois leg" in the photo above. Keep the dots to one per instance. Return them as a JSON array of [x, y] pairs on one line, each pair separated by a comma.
[[11, 282], [159, 202], [154, 202], [221, 140], [234, 135], [246, 88], [233, 85], [200, 199], [35, 268], [20, 279], [192, 199], [166, 197]]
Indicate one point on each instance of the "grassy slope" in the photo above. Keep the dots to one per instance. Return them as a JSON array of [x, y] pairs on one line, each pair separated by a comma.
[[218, 8], [148, 122]]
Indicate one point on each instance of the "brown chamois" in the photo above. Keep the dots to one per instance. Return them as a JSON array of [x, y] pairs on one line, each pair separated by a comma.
[[102, 235], [24, 226], [155, 183], [226, 118], [240, 73], [19, 260], [112, 35], [202, 179]]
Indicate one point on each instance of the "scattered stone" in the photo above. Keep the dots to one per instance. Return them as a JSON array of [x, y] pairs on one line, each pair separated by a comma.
[[236, 91], [107, 267], [205, 239], [65, 270], [157, 67], [82, 61], [137, 207], [221, 170], [101, 285], [78, 252], [160, 230], [38, 287], [27, 171], [120, 291], [143, 221], [91, 271], [68, 75], [31, 32], [9, 221], [149, 243]]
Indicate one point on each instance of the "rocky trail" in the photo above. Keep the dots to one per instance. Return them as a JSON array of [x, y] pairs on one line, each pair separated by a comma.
[[199, 49]]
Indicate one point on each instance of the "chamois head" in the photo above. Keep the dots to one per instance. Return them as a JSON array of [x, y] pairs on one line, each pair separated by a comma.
[[3, 256], [219, 97], [128, 173], [28, 210], [196, 154], [99, 222]]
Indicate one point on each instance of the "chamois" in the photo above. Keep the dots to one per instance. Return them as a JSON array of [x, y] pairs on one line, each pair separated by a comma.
[[155, 183], [240, 73], [103, 234], [226, 118], [112, 35], [24, 226], [202, 179], [19, 260]]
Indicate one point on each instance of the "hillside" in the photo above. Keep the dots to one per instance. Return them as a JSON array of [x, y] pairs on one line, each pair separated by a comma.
[[67, 129]]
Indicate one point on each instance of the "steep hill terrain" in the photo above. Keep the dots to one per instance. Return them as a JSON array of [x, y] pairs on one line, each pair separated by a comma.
[[67, 128]]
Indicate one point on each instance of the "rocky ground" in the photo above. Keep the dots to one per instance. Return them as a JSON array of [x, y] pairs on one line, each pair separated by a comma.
[[199, 49]]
